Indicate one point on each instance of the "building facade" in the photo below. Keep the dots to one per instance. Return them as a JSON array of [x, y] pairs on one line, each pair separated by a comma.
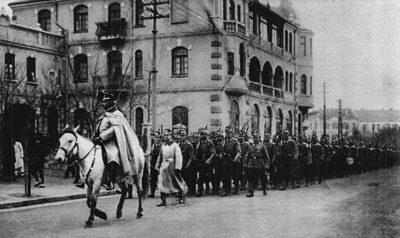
[[222, 63]]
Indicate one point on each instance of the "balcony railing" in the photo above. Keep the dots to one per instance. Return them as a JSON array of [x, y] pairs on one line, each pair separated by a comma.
[[278, 93], [305, 100], [235, 27], [113, 29], [254, 87], [268, 91]]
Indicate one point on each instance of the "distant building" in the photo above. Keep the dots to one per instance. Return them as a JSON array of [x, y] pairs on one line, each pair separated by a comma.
[[315, 123], [372, 121]]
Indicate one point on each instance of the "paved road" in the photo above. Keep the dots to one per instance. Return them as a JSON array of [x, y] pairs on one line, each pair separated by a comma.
[[365, 205]]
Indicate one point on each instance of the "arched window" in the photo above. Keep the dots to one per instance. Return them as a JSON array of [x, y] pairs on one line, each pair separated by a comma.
[[242, 55], [139, 121], [81, 19], [234, 116], [139, 64], [114, 63], [139, 12], [231, 63], [10, 66], [231, 10], [180, 115], [255, 119], [267, 74], [268, 121], [31, 69], [180, 61], [279, 121], [290, 42], [289, 122], [286, 40], [114, 11], [291, 82], [44, 19], [303, 84], [254, 70], [278, 77], [81, 67], [224, 12], [286, 81], [239, 14]]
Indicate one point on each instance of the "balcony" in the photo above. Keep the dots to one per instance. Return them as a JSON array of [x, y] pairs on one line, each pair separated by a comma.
[[113, 29], [304, 100], [255, 87], [268, 91], [278, 93], [235, 27]]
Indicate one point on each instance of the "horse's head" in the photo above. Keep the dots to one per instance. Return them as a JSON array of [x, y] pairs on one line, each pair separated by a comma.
[[67, 144]]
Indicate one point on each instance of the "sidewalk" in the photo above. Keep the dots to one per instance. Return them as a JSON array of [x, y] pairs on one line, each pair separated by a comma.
[[57, 188]]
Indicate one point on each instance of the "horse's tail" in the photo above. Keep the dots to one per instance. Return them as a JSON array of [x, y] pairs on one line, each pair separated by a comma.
[[145, 178]]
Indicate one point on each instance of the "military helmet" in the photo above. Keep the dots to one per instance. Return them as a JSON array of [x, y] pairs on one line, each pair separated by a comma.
[[167, 132], [108, 96]]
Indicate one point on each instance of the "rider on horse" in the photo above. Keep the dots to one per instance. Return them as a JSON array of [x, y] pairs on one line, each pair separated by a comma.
[[116, 137]]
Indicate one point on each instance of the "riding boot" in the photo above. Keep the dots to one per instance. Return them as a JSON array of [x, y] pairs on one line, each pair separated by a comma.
[[163, 200], [251, 190]]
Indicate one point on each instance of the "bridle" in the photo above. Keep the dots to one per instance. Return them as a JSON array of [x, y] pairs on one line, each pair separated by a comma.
[[76, 145]]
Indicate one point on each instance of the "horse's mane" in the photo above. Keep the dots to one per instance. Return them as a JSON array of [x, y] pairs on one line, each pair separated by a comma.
[[71, 131]]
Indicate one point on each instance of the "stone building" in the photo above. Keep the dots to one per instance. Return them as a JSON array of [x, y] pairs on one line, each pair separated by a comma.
[[231, 62]]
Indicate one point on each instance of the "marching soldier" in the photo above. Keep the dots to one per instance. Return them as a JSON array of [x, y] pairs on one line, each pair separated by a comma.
[[155, 151], [305, 159], [271, 149], [257, 163], [289, 155], [316, 155], [231, 154], [205, 152], [244, 146], [187, 155], [217, 162]]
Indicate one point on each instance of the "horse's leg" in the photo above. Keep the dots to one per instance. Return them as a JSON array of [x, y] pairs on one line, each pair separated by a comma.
[[139, 193], [97, 212], [122, 185], [92, 205]]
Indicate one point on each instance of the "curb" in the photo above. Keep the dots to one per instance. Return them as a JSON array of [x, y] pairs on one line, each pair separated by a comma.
[[50, 200]]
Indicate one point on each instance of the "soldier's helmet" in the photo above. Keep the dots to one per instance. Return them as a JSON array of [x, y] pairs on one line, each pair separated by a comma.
[[203, 132], [256, 136], [156, 134], [108, 97], [219, 134], [167, 132]]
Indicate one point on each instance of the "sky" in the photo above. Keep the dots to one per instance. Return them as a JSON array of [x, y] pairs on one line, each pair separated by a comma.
[[356, 51]]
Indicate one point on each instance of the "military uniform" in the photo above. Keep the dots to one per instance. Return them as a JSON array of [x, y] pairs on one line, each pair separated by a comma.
[[244, 146], [155, 151], [231, 153], [305, 160], [257, 162], [289, 155], [317, 153], [205, 151], [187, 156], [217, 163]]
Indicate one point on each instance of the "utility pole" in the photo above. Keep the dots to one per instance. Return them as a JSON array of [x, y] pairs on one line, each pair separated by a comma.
[[155, 15], [324, 113], [340, 122]]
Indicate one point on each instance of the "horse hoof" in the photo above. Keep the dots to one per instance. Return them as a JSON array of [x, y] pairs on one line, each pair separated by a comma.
[[119, 214], [139, 215], [88, 224]]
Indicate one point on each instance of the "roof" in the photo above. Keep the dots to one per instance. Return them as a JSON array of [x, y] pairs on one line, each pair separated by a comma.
[[378, 115], [347, 113], [17, 2]]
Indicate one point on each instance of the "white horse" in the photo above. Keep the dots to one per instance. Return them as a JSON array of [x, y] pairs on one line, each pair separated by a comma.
[[89, 157]]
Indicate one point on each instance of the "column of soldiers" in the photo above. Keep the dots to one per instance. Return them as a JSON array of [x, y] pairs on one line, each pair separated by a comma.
[[222, 165]]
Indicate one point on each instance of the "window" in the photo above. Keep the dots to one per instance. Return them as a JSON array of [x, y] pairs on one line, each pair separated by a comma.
[[180, 61], [231, 63], [114, 11], [81, 19], [310, 47], [44, 19], [224, 9], [254, 71], [279, 121], [303, 84], [268, 121], [291, 82], [255, 119], [179, 11], [139, 121], [303, 44], [274, 35], [81, 67], [286, 41], [139, 12], [139, 64], [286, 81], [278, 78], [242, 55], [231, 10], [10, 66], [267, 74], [289, 122], [311, 85], [114, 63], [234, 116], [290, 42], [31, 69], [264, 29], [180, 115], [239, 14]]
